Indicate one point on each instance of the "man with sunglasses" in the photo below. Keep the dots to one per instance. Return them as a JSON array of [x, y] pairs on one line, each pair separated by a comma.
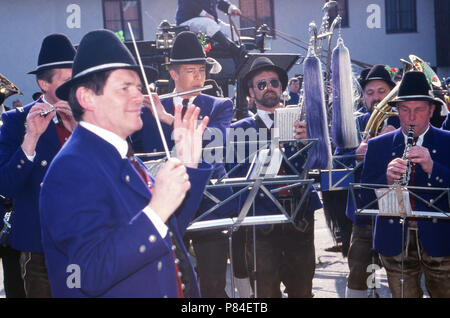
[[284, 252]]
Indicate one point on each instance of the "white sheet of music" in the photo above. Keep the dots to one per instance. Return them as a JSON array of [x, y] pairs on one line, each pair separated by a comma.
[[284, 122], [266, 164], [388, 202]]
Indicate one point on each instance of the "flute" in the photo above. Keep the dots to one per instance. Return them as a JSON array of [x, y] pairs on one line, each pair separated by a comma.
[[46, 112], [175, 94]]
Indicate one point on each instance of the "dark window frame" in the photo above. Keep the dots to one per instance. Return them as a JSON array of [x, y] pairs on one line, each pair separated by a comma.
[[345, 23], [272, 16], [140, 37], [399, 28]]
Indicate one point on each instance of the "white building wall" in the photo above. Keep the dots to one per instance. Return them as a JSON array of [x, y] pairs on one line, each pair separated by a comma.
[[26, 22], [23, 26], [370, 45]]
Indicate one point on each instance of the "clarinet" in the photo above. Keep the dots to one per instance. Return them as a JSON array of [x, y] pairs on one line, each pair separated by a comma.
[[404, 179]]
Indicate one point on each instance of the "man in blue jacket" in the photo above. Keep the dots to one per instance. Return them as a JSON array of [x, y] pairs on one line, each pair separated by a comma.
[[376, 86], [201, 16], [28, 144], [427, 241], [284, 252], [188, 70], [109, 229]]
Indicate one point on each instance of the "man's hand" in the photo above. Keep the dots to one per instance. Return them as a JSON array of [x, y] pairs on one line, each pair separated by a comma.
[[65, 113], [188, 136], [35, 127], [235, 12], [171, 185], [395, 169], [421, 155], [300, 130], [360, 152], [163, 116]]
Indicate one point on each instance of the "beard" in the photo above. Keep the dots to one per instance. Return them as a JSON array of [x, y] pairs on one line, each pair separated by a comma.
[[269, 99]]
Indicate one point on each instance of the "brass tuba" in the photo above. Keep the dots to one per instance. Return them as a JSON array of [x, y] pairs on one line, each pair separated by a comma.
[[383, 110], [7, 88]]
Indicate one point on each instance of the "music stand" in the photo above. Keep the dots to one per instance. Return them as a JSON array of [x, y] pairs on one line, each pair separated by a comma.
[[394, 200], [262, 173]]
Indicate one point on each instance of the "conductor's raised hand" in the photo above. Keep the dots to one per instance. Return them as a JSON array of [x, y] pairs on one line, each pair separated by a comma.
[[188, 135], [171, 185], [164, 116]]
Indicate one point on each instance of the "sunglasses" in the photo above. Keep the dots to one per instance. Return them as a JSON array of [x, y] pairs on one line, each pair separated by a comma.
[[262, 84]]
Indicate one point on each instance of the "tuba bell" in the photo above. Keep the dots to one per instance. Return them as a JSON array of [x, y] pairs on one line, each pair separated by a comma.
[[7, 88], [383, 110]]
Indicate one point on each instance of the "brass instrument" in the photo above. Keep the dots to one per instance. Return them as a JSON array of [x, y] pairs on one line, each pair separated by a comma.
[[383, 110], [7, 88]]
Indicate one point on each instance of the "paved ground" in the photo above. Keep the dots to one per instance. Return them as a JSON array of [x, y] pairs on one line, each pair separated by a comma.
[[331, 268]]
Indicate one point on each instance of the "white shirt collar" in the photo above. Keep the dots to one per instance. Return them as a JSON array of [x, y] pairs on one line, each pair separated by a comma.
[[419, 140], [178, 100], [120, 144], [264, 115]]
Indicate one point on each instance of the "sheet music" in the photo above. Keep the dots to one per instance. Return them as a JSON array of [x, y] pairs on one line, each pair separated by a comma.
[[284, 122], [266, 164], [388, 202]]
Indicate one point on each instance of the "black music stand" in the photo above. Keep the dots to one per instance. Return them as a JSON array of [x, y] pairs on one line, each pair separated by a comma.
[[385, 200], [259, 179]]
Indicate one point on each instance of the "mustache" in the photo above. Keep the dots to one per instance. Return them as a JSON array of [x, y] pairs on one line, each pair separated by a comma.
[[270, 92]]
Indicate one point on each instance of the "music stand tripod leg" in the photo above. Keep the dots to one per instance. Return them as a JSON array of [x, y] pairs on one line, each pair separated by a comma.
[[373, 290], [230, 252]]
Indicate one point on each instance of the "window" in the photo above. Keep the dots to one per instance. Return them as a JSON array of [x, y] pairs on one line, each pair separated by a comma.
[[342, 10], [259, 11], [117, 14], [401, 16]]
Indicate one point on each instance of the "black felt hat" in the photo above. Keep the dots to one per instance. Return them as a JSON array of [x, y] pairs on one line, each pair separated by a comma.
[[187, 49], [362, 76], [380, 73], [263, 63], [414, 86], [99, 51], [56, 52]]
